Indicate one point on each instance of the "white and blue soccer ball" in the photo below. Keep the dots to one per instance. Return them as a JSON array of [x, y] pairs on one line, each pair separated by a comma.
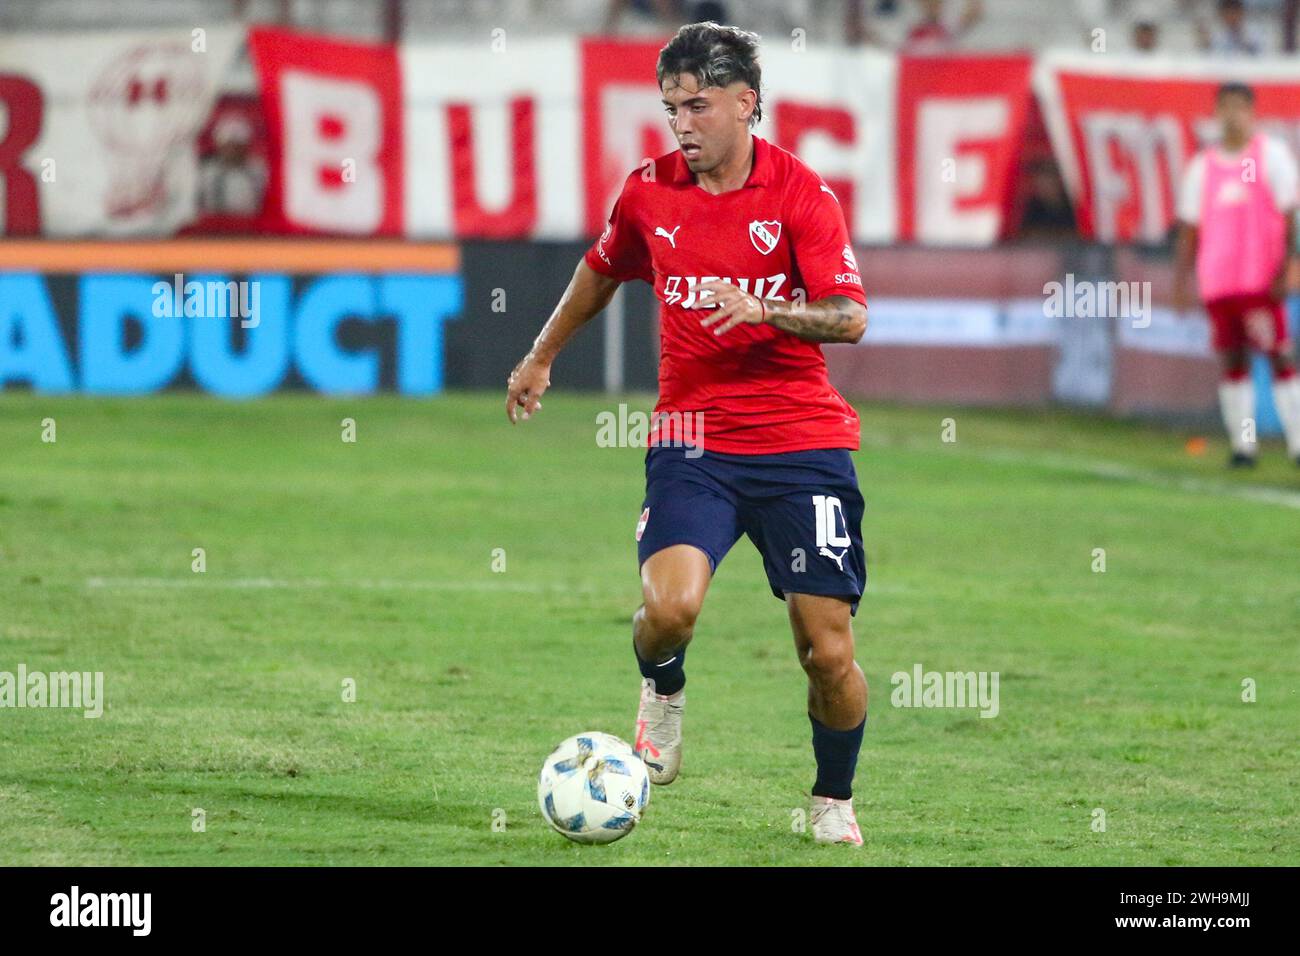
[[593, 788]]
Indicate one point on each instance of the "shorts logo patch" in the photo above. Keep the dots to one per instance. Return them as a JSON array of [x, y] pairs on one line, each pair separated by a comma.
[[640, 525], [837, 558]]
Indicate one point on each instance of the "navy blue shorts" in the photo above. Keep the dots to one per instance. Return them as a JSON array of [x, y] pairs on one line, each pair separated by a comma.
[[802, 510]]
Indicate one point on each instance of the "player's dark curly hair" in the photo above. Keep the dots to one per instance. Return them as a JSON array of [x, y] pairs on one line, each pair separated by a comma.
[[716, 56]]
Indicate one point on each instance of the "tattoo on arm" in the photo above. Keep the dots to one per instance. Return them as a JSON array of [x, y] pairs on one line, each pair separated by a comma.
[[836, 318]]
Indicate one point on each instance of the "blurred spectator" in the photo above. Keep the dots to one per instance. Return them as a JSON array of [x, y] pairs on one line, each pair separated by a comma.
[[1146, 36], [1231, 34], [232, 178], [640, 16], [938, 31], [856, 27], [1048, 214], [1147, 16], [660, 16], [706, 10]]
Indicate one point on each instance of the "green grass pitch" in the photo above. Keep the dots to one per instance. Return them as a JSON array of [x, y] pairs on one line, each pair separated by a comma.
[[373, 561]]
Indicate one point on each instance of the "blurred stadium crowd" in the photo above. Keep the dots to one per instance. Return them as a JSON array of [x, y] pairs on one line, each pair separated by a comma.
[[982, 150], [1218, 27], [233, 176]]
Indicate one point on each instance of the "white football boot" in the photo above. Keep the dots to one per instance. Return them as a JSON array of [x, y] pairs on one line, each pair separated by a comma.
[[659, 732], [833, 821]]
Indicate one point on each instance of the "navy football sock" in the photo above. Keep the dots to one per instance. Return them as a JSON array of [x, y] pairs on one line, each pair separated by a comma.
[[669, 677], [837, 759]]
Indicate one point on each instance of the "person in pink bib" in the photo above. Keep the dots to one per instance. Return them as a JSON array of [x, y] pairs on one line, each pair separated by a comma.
[[1237, 218]]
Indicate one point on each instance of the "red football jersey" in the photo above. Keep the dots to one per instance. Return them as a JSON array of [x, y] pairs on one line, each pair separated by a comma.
[[756, 389]]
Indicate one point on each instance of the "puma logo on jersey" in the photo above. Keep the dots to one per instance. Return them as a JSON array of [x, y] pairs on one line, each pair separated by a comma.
[[1231, 192], [837, 558], [769, 287], [670, 236]]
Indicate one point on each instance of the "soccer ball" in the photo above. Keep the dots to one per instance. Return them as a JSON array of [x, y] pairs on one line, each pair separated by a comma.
[[593, 788]]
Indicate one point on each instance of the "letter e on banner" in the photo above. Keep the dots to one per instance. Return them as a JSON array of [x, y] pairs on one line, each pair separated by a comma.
[[974, 112]]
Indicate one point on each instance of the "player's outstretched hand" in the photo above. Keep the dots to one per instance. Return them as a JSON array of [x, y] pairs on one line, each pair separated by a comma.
[[733, 306], [525, 386]]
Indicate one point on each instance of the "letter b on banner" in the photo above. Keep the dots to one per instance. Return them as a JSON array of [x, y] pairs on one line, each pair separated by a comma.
[[330, 122]]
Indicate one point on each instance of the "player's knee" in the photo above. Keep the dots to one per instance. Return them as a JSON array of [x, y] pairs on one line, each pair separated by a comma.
[[830, 661], [670, 619]]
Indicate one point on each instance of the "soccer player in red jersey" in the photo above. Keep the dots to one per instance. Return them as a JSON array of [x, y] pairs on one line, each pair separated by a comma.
[[749, 253], [1237, 221]]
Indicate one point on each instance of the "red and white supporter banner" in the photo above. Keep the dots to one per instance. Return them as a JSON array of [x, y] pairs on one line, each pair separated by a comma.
[[97, 131], [427, 141], [1124, 129], [492, 153], [961, 126], [333, 114], [532, 139]]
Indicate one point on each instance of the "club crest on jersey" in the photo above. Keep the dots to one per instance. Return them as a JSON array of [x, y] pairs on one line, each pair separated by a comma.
[[640, 525], [764, 234]]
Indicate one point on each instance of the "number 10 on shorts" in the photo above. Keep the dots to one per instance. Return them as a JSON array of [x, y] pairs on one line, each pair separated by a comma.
[[830, 518]]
